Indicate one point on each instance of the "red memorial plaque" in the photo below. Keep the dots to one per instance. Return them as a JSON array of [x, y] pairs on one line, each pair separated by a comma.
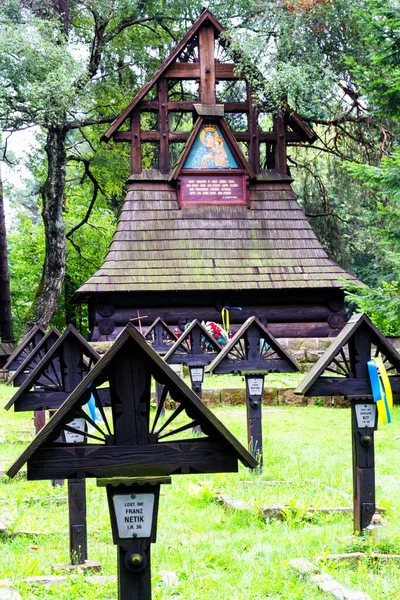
[[213, 188]]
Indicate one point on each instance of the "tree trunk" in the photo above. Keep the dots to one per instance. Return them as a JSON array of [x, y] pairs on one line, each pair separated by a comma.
[[49, 290], [6, 330]]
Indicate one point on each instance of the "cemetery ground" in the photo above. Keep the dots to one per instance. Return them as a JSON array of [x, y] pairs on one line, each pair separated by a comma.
[[205, 551]]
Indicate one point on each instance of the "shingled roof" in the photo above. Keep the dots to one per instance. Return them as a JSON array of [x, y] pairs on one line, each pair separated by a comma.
[[159, 245]]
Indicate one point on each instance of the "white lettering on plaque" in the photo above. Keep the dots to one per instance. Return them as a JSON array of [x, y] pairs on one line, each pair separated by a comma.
[[256, 385], [366, 415], [197, 374], [134, 513], [72, 437]]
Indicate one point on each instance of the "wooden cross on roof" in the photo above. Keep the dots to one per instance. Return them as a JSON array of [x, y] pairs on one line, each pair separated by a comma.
[[130, 440], [342, 370], [196, 346], [28, 343], [34, 358], [253, 348], [160, 336], [202, 59], [66, 363]]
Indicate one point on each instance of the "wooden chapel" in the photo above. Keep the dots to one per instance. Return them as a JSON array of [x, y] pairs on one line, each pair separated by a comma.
[[214, 223]]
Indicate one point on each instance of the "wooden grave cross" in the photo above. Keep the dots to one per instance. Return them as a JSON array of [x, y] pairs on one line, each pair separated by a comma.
[[20, 354], [34, 358], [253, 351], [132, 442], [195, 348], [67, 362], [343, 371]]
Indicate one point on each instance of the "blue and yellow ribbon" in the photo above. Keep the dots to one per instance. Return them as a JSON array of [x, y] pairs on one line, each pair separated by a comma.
[[381, 389]]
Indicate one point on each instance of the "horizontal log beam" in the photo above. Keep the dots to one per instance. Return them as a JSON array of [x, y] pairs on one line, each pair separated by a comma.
[[182, 136], [229, 107], [51, 400], [194, 360], [192, 71], [338, 386], [273, 314], [187, 456], [262, 366]]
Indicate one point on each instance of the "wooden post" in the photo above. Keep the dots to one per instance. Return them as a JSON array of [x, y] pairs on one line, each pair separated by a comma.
[[163, 125], [134, 585], [159, 391], [207, 65], [136, 149], [254, 142], [362, 437], [280, 148], [76, 487], [254, 393], [77, 521], [363, 462]]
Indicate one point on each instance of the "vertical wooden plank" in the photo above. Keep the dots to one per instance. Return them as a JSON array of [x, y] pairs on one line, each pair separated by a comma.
[[254, 424], [136, 149], [363, 472], [77, 521], [133, 586], [280, 148], [207, 65], [254, 143], [130, 385], [163, 125], [71, 364]]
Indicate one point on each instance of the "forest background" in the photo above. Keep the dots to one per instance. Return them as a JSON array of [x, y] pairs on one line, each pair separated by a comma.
[[68, 67]]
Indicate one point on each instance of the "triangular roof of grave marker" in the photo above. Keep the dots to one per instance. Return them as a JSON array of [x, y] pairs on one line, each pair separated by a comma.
[[26, 340], [165, 327], [178, 390], [228, 136], [206, 17], [282, 355], [178, 347], [51, 354], [31, 361], [356, 321]]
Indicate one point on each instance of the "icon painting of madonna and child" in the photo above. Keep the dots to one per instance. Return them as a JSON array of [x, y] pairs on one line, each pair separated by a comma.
[[210, 151]]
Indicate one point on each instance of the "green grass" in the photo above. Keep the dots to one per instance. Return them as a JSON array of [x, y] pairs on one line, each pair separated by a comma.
[[218, 554]]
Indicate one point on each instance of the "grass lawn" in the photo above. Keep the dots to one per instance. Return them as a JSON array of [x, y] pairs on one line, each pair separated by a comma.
[[218, 554]]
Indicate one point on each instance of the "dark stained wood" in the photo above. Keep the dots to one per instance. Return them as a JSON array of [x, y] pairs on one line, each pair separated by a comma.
[[222, 71], [250, 358], [136, 147], [34, 357], [191, 349], [254, 133], [313, 383], [131, 343], [186, 456], [38, 401], [163, 125], [338, 386], [160, 336], [28, 342], [280, 148], [77, 521]]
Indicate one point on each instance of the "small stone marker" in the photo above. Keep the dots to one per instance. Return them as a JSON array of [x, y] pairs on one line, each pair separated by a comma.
[[88, 565], [275, 511], [233, 503], [8, 593], [169, 578], [303, 566], [326, 583]]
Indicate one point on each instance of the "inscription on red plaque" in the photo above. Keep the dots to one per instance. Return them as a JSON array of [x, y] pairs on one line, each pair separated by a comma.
[[213, 188]]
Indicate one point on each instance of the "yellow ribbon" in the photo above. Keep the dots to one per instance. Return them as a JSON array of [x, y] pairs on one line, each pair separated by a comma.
[[225, 318]]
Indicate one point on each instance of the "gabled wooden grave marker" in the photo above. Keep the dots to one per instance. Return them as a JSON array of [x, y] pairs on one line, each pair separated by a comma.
[[160, 337], [34, 358], [20, 354], [132, 442], [67, 362], [22, 351], [342, 371], [253, 351], [195, 348]]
